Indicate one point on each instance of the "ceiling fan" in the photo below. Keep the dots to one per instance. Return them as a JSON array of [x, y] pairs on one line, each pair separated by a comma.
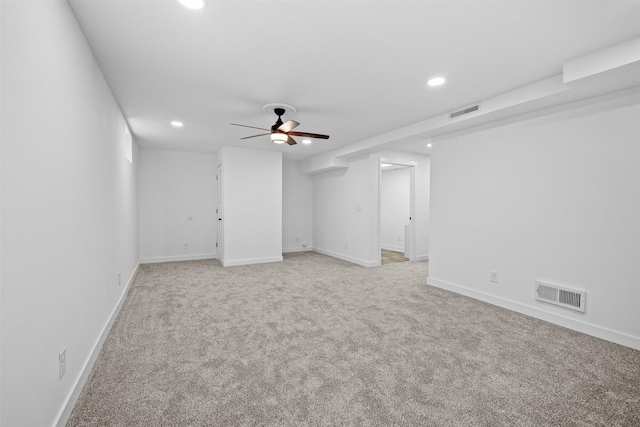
[[280, 132]]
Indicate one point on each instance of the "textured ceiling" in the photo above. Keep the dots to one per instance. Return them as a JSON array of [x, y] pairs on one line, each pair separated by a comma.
[[353, 69]]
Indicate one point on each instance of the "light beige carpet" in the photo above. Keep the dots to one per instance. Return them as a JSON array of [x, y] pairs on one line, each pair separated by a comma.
[[317, 341]]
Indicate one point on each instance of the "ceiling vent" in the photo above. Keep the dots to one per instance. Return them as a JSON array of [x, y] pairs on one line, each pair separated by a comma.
[[464, 111], [563, 297]]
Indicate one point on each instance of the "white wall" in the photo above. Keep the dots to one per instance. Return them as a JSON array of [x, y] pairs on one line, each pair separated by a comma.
[[346, 207], [297, 225], [69, 211], [554, 198], [342, 213], [252, 205], [395, 198], [177, 205]]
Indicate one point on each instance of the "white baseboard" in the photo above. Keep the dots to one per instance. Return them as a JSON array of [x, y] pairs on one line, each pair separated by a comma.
[[194, 257], [67, 407], [393, 248], [421, 258], [347, 258], [538, 313], [235, 262], [300, 249]]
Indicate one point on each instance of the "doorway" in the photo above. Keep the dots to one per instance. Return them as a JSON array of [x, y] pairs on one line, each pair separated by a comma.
[[396, 212]]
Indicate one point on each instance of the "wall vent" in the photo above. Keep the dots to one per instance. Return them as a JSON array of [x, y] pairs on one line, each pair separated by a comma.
[[563, 297], [465, 111]]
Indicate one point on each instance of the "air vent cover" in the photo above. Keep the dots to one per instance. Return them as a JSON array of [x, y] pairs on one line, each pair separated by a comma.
[[563, 297], [465, 111]]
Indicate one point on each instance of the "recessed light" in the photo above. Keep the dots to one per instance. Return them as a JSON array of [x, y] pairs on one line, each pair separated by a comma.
[[429, 145], [193, 4], [436, 81], [177, 124], [306, 141]]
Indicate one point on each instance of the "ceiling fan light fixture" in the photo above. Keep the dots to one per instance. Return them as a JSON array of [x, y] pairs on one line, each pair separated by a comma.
[[279, 138], [193, 4]]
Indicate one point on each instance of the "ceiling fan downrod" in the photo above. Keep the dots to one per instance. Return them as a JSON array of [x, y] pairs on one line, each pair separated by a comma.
[[279, 112]]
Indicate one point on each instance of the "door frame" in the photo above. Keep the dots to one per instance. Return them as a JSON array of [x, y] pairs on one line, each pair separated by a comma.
[[412, 203], [220, 215]]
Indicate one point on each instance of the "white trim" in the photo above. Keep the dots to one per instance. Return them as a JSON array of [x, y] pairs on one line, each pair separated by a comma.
[[348, 258], [289, 250], [251, 261], [421, 258], [555, 318], [195, 257], [392, 248], [71, 399]]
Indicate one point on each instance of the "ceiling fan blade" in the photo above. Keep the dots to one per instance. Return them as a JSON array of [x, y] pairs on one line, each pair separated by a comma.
[[288, 126], [291, 141], [253, 136], [252, 127], [309, 135]]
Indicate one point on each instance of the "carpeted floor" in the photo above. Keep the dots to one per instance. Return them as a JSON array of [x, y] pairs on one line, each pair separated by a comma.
[[317, 341]]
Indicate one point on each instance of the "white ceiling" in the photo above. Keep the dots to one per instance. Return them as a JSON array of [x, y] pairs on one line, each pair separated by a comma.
[[353, 69]]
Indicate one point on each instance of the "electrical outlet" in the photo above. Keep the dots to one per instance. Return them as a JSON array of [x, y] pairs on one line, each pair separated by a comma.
[[346, 246], [297, 240], [119, 279], [62, 362], [399, 239], [493, 276], [186, 246]]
